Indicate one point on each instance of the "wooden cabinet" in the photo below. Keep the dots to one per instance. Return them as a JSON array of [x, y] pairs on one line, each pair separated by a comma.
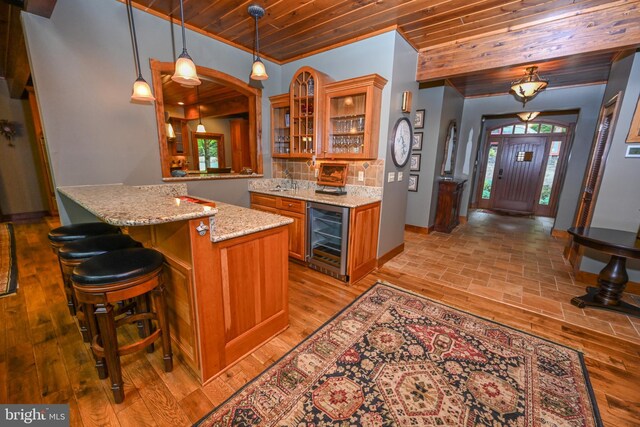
[[448, 210], [280, 125], [307, 111], [291, 208], [352, 120], [364, 223]]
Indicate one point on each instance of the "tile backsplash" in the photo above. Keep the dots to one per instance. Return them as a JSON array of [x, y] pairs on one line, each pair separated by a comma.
[[303, 170]]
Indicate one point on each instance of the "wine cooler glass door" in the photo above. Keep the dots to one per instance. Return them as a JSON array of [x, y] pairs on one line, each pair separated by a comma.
[[327, 242]]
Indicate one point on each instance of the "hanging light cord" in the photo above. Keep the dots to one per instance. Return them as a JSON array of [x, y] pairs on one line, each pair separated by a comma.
[[257, 40], [198, 101], [184, 42], [132, 26]]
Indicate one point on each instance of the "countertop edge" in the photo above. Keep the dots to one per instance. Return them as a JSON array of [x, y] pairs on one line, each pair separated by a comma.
[[344, 202]]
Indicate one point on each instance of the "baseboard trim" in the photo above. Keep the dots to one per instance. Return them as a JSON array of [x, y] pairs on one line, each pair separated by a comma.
[[25, 217], [463, 220], [389, 255], [417, 229], [560, 234], [592, 279]]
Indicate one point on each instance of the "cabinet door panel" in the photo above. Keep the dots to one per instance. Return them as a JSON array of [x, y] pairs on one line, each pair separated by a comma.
[[296, 234], [363, 240]]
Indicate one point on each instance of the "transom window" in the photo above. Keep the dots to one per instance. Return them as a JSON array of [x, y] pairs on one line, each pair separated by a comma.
[[529, 128]]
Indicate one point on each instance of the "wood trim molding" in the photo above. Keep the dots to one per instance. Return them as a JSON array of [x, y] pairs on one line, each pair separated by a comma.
[[609, 27], [462, 220], [560, 234], [391, 254], [418, 229], [24, 217], [592, 279]]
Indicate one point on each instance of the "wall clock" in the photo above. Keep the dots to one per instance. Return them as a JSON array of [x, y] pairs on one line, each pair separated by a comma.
[[401, 142]]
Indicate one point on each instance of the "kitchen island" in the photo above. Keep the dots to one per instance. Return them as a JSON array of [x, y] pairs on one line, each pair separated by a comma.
[[226, 267]]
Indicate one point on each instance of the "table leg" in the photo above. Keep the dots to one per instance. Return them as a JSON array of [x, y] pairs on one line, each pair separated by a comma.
[[611, 280]]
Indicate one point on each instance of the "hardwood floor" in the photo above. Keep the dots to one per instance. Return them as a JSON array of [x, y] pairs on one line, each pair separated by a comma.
[[43, 358]]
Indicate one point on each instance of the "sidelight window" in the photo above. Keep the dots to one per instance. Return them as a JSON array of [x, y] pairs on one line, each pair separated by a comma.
[[550, 172], [488, 176]]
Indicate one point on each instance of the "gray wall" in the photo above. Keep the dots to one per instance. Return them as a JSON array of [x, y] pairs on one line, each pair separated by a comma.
[[19, 186], [587, 99], [82, 66], [618, 203]]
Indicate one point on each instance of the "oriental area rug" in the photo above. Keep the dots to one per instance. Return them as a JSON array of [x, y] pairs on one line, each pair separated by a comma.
[[393, 358], [8, 263]]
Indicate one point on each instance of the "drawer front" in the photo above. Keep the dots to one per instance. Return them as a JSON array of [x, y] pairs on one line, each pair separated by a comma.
[[292, 205], [263, 200]]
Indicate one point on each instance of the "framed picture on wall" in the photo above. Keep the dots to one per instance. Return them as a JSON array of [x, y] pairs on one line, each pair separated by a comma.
[[418, 121], [413, 182], [416, 145], [634, 130], [633, 151], [415, 162]]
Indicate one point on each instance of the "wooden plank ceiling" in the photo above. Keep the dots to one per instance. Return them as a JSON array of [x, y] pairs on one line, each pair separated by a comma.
[[292, 29]]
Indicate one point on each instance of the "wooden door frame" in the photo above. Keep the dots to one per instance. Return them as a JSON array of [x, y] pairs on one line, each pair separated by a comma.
[[559, 178]]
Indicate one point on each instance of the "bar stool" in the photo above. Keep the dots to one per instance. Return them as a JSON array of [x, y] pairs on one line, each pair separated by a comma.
[[74, 253], [106, 279], [69, 233]]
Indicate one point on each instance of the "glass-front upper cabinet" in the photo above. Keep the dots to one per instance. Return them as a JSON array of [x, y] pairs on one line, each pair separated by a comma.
[[280, 125], [306, 102], [353, 118]]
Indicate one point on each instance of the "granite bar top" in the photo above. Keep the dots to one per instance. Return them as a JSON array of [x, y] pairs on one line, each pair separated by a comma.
[[356, 195], [125, 205]]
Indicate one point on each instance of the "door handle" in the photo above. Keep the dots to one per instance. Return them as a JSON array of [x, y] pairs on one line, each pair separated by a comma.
[[500, 174]]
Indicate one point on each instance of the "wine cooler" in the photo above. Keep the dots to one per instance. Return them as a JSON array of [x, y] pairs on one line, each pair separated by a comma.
[[328, 231]]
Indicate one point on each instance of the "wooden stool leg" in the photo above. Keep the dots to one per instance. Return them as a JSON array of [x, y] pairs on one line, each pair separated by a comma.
[[106, 323], [68, 290], [144, 326], [82, 322], [90, 321], [163, 321]]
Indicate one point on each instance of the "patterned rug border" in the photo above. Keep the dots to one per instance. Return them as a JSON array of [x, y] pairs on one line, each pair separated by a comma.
[[596, 410], [12, 272]]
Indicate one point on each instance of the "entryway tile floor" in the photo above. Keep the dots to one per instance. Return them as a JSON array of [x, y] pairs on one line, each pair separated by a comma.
[[514, 260]]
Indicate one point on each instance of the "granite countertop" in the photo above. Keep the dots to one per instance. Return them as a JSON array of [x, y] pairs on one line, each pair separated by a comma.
[[125, 205], [356, 196], [235, 221]]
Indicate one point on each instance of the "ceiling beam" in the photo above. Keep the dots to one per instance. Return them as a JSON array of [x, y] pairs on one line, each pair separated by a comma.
[[232, 106], [601, 30], [40, 7]]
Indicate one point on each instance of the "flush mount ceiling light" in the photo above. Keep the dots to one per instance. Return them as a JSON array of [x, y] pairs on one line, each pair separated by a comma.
[[529, 85], [527, 116], [141, 91], [200, 128], [258, 70], [185, 73]]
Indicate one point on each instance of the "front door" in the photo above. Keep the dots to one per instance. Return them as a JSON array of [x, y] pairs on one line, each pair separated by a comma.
[[519, 171]]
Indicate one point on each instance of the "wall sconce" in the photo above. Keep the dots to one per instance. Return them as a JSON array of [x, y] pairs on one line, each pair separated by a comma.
[[406, 102], [258, 70], [141, 91], [529, 85], [186, 73], [527, 116]]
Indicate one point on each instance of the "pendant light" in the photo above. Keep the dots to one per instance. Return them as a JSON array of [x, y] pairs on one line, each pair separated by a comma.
[[529, 85], [200, 128], [258, 70], [141, 91], [527, 116], [186, 73]]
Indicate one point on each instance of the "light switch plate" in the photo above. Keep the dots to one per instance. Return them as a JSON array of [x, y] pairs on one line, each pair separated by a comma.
[[391, 177], [360, 176], [400, 175]]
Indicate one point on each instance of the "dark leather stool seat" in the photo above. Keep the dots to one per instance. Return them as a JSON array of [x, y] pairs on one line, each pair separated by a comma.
[[73, 253], [107, 279], [69, 233]]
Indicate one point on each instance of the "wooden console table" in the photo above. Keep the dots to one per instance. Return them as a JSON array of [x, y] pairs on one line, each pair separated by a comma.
[[613, 277]]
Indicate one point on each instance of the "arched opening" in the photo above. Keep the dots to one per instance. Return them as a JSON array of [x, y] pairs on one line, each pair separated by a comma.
[[225, 104]]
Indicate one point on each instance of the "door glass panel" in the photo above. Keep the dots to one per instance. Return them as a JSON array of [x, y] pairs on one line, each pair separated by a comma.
[[550, 173], [520, 129], [533, 128], [488, 176], [496, 131], [559, 129], [546, 128], [207, 153], [507, 130]]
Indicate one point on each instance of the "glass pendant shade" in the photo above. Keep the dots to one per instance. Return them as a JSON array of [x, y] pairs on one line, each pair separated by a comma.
[[200, 128], [141, 91], [170, 132], [527, 116], [186, 73], [258, 70], [529, 85]]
